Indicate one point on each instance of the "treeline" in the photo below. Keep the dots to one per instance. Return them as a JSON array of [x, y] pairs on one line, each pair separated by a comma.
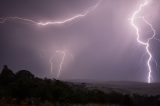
[[24, 88]]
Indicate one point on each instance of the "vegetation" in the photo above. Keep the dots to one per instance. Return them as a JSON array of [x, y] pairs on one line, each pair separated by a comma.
[[24, 88]]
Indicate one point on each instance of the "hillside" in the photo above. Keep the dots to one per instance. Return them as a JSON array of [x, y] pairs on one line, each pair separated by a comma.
[[123, 87], [24, 88]]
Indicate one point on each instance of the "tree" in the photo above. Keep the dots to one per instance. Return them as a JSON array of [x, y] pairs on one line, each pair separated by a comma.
[[6, 75], [24, 74]]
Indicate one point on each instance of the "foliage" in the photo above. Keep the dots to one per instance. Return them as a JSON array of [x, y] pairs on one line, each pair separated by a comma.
[[23, 87]]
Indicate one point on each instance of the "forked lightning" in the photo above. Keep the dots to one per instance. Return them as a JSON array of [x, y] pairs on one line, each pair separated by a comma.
[[147, 43]]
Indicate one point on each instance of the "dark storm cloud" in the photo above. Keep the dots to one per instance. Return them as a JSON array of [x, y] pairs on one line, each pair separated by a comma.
[[103, 43]]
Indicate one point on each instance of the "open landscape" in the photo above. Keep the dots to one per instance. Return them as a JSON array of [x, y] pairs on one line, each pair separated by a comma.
[[79, 53]]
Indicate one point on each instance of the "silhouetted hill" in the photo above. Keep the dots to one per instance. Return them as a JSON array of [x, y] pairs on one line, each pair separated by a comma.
[[23, 88]]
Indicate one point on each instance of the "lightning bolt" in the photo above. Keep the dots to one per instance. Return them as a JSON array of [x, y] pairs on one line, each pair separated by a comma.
[[59, 22], [147, 43], [51, 63], [64, 53], [83, 14], [61, 63]]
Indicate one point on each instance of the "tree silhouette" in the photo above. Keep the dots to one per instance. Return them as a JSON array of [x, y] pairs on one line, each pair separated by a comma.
[[24, 74], [25, 87], [6, 75]]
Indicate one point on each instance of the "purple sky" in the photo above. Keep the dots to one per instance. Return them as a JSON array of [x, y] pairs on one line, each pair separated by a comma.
[[103, 43]]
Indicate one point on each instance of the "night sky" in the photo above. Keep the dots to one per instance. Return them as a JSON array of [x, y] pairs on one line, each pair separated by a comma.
[[102, 44]]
